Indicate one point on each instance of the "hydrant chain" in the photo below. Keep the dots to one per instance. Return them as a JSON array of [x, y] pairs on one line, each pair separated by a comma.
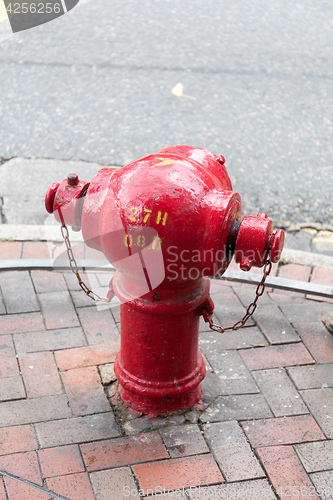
[[74, 267], [250, 309]]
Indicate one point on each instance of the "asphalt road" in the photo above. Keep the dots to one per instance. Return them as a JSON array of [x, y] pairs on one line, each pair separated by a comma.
[[96, 85]]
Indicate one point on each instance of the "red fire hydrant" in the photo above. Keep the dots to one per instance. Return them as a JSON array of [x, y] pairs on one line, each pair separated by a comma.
[[166, 222]]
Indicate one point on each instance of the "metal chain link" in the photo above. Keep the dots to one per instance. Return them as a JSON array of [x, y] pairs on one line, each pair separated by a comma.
[[250, 309], [74, 267]]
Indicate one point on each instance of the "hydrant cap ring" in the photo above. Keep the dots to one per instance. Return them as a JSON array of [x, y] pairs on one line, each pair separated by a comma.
[[50, 196], [277, 245]]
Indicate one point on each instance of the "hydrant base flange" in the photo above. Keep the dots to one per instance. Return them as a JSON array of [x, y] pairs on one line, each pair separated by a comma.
[[176, 396]]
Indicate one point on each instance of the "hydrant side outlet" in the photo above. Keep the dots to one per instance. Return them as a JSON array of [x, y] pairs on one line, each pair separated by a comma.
[[166, 222]]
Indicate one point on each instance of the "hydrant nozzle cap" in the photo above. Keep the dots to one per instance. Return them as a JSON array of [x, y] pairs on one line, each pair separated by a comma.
[[277, 245], [50, 196]]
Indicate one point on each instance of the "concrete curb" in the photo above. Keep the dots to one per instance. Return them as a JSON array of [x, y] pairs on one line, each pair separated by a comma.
[[291, 256], [11, 232]]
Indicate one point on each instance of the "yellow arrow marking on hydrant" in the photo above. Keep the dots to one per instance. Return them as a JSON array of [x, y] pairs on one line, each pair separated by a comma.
[[164, 162]]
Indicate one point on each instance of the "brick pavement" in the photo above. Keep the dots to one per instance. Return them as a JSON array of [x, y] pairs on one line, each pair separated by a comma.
[[264, 428]]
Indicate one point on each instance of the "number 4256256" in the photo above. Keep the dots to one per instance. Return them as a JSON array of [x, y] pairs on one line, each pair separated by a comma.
[[33, 8]]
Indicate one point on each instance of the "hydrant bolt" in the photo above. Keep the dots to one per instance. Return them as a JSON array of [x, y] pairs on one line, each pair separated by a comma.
[[73, 179]]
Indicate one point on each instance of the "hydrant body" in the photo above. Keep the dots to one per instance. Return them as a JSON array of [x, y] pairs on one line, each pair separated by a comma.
[[166, 222]]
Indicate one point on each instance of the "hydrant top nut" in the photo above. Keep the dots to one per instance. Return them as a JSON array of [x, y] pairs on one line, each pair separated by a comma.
[[73, 179]]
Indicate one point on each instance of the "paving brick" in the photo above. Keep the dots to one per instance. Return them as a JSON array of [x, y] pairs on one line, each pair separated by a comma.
[[113, 484], [60, 460], [72, 486], [81, 299], [123, 451], [48, 281], [178, 473], [76, 430], [308, 312], [258, 270], [85, 391], [40, 374], [99, 326], [280, 392], [104, 278], [172, 494], [228, 309], [232, 451], [11, 388], [212, 386], [184, 440], [3, 495], [230, 368], [318, 340], [295, 272], [8, 361], [15, 323], [107, 373], [252, 490], [35, 250], [281, 297], [115, 311], [285, 430], [98, 354], [88, 278], [10, 250], [28, 411], [321, 276], [316, 456], [58, 310], [2, 305], [274, 325], [92, 253], [327, 320], [241, 407], [246, 337], [23, 465], [16, 439], [312, 377], [246, 294], [144, 424], [320, 402], [285, 471], [207, 365], [60, 251], [50, 340], [18, 292], [222, 285], [276, 356], [19, 491], [323, 484]]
